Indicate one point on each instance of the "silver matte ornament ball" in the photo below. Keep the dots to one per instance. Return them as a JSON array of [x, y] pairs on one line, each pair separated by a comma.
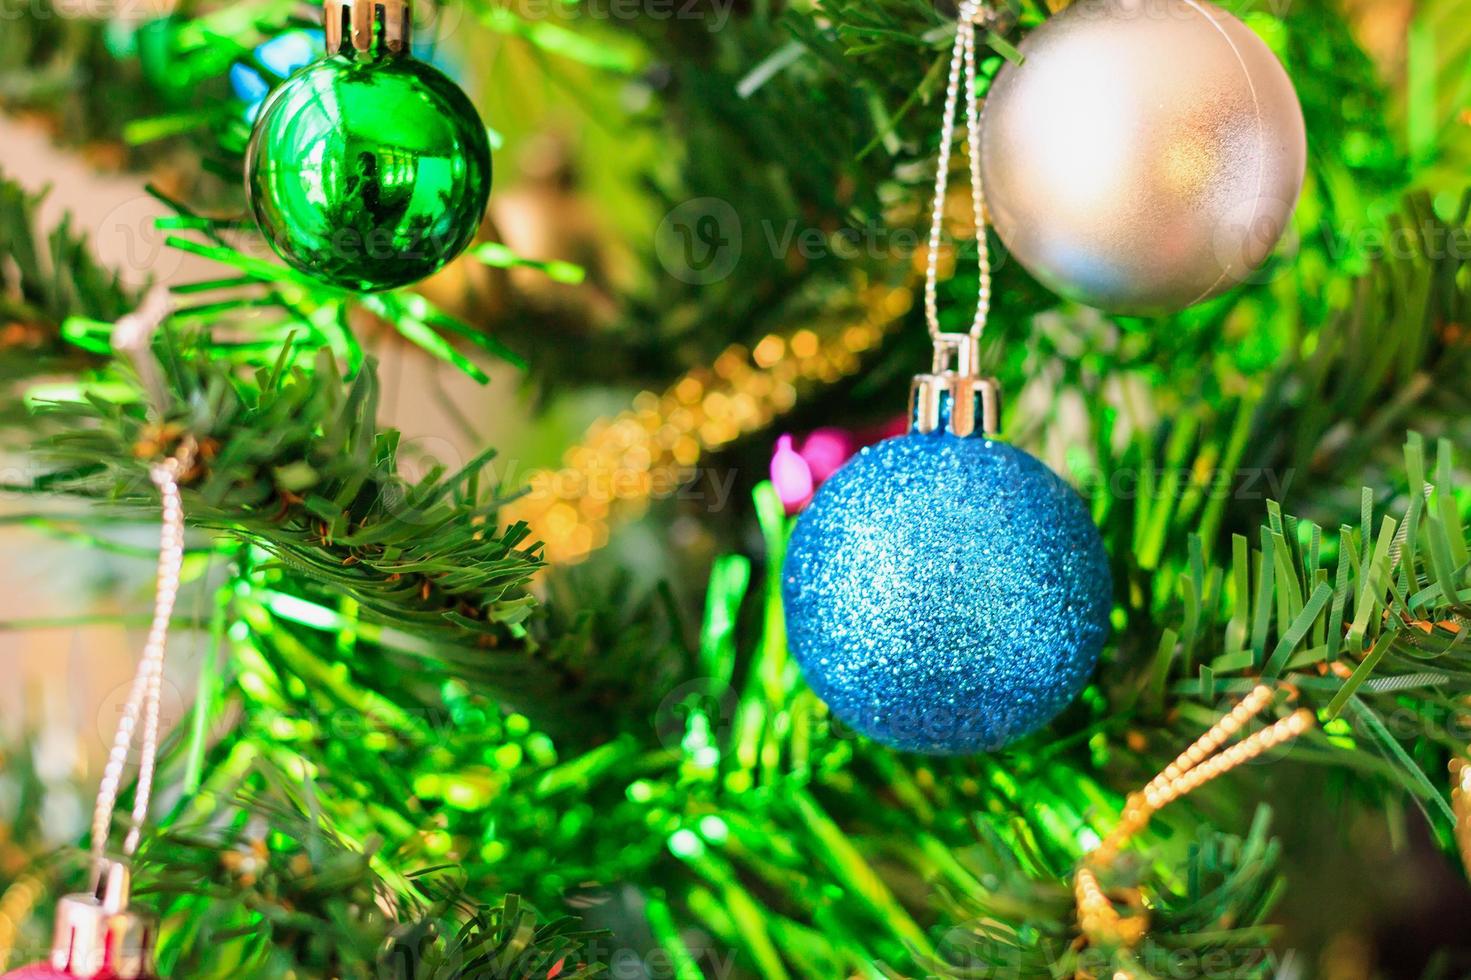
[[1146, 155]]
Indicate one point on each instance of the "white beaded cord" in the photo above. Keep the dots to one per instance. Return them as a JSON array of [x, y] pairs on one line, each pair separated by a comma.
[[131, 336], [146, 691], [963, 54]]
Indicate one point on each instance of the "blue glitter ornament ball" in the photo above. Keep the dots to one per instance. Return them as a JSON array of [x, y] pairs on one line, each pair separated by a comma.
[[945, 594]]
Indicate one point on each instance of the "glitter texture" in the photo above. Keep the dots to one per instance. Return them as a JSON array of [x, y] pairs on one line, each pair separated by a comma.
[[946, 595]]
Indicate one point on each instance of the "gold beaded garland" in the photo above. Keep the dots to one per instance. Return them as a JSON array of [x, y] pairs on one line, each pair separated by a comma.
[[1099, 920], [650, 450]]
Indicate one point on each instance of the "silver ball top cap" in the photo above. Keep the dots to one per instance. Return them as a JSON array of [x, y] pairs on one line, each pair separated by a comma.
[[98, 934]]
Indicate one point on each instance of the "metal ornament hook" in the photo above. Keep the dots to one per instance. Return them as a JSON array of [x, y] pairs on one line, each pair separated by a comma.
[[953, 397], [98, 934]]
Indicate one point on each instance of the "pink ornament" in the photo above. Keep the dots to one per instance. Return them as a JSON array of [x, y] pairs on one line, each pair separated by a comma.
[[798, 470], [791, 476], [826, 450]]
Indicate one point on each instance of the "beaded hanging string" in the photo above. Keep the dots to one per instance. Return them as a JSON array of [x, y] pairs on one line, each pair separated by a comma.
[[962, 57], [132, 337], [1098, 917]]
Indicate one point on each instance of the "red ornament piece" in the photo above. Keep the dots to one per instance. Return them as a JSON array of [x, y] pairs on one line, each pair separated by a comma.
[[45, 971], [36, 971], [97, 936]]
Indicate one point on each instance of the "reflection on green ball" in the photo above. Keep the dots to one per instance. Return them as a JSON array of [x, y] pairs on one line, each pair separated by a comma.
[[368, 174]]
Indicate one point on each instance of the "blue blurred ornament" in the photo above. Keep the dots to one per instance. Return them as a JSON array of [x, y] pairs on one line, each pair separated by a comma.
[[285, 53], [281, 56], [946, 592]]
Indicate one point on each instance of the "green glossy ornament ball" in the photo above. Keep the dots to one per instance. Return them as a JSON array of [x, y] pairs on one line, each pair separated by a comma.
[[368, 174]]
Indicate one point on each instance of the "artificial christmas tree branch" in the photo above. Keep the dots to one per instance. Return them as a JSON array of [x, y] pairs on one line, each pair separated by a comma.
[[293, 461], [47, 278]]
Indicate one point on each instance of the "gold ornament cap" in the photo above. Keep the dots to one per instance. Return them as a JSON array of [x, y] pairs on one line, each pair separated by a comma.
[[368, 27], [99, 935], [955, 399]]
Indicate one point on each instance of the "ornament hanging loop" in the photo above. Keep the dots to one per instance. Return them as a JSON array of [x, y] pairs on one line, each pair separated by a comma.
[[962, 58], [954, 397], [133, 337], [99, 934], [368, 27], [958, 348]]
